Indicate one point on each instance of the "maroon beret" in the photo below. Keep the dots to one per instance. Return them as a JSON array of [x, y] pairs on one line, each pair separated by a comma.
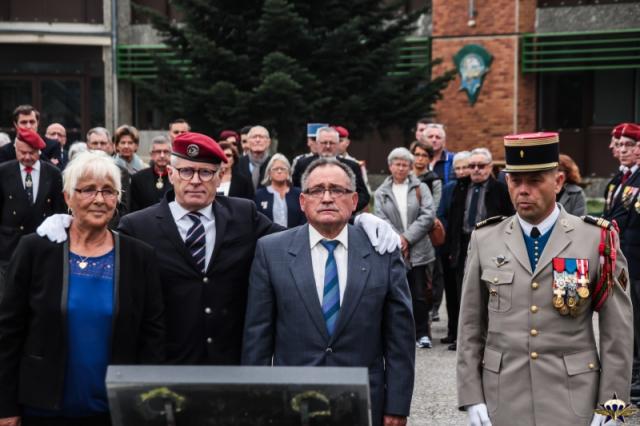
[[31, 138], [225, 134], [617, 131], [344, 133], [631, 131], [198, 147]]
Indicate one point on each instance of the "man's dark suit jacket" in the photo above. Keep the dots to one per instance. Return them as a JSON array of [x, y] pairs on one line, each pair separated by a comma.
[[241, 185], [497, 202], [619, 208], [143, 190], [204, 312], [33, 333], [244, 169], [609, 191], [17, 216], [295, 216], [361, 187], [375, 327]]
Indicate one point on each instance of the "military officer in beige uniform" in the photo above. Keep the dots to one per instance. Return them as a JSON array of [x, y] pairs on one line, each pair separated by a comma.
[[526, 346]]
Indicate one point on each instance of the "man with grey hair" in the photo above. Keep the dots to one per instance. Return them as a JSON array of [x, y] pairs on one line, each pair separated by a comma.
[[149, 185], [253, 164], [352, 306], [442, 162], [327, 140], [474, 198]]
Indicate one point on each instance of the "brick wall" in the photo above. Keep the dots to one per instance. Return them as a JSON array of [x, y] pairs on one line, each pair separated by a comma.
[[507, 101]]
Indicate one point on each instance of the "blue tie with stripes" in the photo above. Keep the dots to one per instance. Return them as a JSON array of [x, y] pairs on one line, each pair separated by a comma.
[[196, 242], [331, 294]]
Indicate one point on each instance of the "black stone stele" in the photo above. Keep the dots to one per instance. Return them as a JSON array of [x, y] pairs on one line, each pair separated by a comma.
[[239, 396]]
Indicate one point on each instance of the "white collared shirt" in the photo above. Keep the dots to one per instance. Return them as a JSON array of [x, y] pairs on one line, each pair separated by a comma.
[[319, 257], [183, 223], [35, 178], [543, 226]]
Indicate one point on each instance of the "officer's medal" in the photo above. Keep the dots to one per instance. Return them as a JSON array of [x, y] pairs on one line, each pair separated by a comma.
[[583, 278], [159, 182], [559, 284]]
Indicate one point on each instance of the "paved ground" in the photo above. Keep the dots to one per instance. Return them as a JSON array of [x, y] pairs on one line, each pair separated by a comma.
[[434, 397]]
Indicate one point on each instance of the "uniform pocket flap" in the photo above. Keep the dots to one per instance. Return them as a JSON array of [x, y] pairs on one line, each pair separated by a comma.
[[492, 360], [582, 362], [497, 277]]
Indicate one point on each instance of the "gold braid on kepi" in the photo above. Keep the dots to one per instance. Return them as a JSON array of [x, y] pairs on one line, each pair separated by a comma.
[[607, 256], [490, 221], [531, 152]]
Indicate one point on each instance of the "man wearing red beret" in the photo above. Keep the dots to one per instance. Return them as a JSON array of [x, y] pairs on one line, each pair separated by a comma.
[[27, 117], [343, 147], [30, 190], [624, 148], [624, 209]]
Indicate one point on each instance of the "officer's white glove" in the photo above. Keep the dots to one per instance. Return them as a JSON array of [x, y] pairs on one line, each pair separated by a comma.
[[478, 415], [55, 227], [381, 235], [598, 420]]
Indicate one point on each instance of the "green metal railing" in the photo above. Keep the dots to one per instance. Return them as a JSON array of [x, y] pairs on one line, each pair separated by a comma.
[[139, 61], [580, 51], [415, 53]]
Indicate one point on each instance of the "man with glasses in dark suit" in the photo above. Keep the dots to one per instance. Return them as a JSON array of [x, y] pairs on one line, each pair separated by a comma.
[[475, 198]]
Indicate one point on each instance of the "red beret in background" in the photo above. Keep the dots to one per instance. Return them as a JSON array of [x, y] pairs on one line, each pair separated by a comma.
[[31, 138]]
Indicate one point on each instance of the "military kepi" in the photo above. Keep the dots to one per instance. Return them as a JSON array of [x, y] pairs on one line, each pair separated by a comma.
[[531, 152], [198, 147], [31, 138]]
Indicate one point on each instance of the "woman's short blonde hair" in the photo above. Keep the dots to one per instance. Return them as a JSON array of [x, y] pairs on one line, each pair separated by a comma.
[[267, 173], [95, 164]]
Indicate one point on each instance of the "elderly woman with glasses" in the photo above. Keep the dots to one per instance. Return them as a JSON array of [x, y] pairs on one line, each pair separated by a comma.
[[407, 204], [72, 308], [278, 199]]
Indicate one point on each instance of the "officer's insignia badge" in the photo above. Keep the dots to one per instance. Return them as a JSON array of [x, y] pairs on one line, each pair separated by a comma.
[[570, 284], [500, 260], [193, 150], [490, 221], [616, 409], [473, 63], [622, 279]]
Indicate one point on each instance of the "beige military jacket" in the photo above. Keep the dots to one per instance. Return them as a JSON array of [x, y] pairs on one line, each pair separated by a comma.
[[516, 353]]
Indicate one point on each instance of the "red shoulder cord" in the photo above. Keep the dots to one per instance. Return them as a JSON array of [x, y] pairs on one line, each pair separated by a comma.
[[607, 252]]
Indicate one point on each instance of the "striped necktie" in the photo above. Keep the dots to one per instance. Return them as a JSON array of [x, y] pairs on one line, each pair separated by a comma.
[[196, 241], [28, 183], [331, 293]]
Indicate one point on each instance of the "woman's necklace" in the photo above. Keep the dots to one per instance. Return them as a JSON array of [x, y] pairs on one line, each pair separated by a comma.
[[82, 263]]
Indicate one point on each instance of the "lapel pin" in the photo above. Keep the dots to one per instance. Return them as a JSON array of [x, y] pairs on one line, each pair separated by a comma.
[[500, 260]]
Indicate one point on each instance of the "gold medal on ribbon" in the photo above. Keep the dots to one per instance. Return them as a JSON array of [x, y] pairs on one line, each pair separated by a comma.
[[558, 302], [571, 302], [583, 292], [564, 310], [159, 183]]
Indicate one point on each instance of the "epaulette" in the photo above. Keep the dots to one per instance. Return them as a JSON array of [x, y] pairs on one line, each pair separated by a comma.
[[490, 221], [598, 221]]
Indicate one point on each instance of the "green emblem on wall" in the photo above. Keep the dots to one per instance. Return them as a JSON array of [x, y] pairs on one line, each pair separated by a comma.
[[472, 63]]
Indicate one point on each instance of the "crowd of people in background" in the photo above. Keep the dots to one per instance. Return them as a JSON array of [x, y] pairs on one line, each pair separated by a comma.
[[428, 185]]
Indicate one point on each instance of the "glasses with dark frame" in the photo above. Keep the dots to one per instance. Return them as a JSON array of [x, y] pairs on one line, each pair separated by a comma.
[[334, 191], [478, 166], [92, 192], [205, 175]]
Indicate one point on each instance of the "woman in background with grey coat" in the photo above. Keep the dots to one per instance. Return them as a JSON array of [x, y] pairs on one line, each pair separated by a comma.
[[407, 204], [571, 196]]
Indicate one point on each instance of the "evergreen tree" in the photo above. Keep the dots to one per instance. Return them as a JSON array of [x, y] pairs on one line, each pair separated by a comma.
[[282, 63]]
